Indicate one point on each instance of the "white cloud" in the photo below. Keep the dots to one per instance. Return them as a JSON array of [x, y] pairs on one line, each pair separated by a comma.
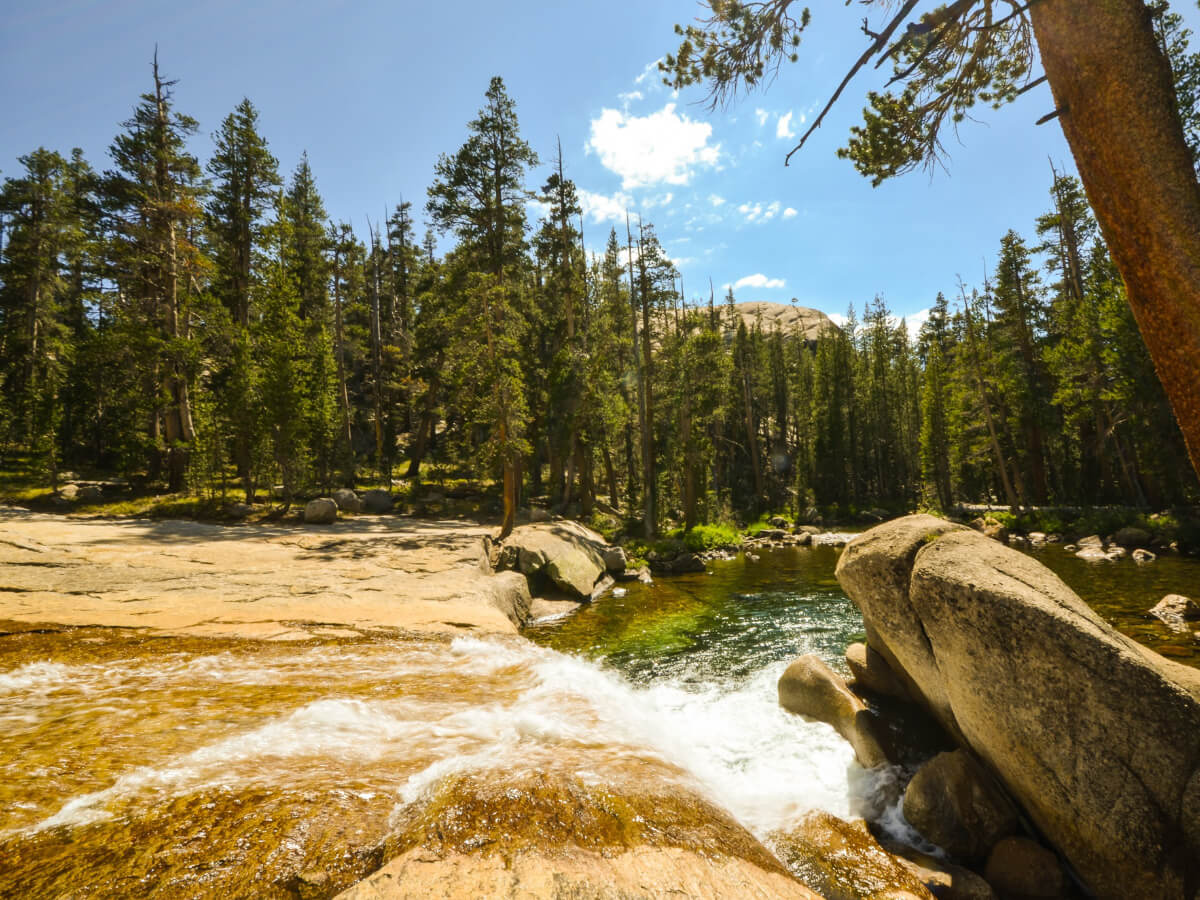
[[651, 69], [605, 208], [783, 128], [762, 115], [837, 318], [757, 214], [536, 209], [789, 213], [716, 199], [664, 147], [757, 280], [914, 321], [629, 96]]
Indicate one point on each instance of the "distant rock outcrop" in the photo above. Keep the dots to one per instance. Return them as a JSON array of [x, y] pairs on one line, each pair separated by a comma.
[[790, 317]]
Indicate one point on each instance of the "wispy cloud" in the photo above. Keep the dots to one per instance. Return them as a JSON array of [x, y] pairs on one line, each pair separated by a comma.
[[790, 213], [783, 128], [758, 214], [605, 207]]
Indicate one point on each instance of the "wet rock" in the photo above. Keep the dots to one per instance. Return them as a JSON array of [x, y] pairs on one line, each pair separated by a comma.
[[995, 531], [872, 673], [945, 880], [321, 511], [1115, 551], [312, 884], [377, 501], [1019, 867], [548, 836], [1092, 735], [779, 522], [1176, 610], [347, 500], [842, 861], [1141, 556], [802, 539], [1093, 554], [810, 688], [1037, 537], [953, 803], [1092, 540], [545, 608], [615, 559], [1130, 537]]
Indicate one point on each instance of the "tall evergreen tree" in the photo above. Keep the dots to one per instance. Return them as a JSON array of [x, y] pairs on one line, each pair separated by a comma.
[[479, 193]]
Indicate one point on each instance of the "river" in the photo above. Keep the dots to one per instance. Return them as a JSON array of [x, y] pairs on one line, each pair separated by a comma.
[[195, 768]]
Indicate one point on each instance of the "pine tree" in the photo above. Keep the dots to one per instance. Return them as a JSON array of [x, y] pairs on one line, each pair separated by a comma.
[[245, 175], [153, 199], [479, 194]]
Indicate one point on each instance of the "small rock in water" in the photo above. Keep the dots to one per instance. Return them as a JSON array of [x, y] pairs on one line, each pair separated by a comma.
[[619, 592], [1176, 610], [1143, 556]]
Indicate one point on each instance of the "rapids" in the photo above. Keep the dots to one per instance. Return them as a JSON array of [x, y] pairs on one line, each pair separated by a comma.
[[189, 767]]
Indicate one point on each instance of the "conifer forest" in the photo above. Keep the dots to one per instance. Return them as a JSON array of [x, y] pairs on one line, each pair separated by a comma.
[[201, 326]]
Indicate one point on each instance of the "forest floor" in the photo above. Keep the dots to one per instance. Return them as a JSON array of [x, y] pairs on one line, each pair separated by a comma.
[[268, 580]]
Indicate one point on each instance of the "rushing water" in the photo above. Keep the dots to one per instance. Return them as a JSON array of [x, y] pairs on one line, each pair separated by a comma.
[[185, 768]]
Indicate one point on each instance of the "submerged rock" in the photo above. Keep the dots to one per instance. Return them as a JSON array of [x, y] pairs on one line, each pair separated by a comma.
[[321, 511], [952, 803], [842, 861], [810, 688], [1095, 737]]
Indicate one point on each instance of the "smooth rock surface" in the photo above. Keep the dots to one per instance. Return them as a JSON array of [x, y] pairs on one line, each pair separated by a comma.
[[257, 581], [810, 688], [842, 861], [1097, 738], [952, 803]]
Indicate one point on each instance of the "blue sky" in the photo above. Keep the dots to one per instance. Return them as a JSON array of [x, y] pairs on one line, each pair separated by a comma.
[[374, 91]]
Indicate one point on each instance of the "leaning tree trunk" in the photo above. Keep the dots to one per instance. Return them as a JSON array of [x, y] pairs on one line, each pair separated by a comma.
[[1116, 100]]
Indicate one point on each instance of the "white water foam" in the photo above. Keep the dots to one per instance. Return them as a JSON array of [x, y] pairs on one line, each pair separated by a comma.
[[38, 677], [766, 766]]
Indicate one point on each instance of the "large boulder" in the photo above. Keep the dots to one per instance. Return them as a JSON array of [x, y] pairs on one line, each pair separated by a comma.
[[1130, 537], [842, 861], [953, 803], [347, 500], [1095, 737], [945, 880], [810, 688], [321, 511], [377, 501], [566, 553]]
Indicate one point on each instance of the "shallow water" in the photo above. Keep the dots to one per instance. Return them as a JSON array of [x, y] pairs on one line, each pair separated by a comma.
[[132, 766]]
